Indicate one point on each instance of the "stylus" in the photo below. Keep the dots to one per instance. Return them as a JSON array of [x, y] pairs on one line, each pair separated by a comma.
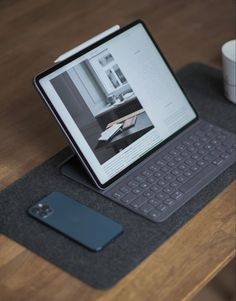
[[87, 43]]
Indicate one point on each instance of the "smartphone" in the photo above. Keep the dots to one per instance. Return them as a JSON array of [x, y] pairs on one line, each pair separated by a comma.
[[82, 224]]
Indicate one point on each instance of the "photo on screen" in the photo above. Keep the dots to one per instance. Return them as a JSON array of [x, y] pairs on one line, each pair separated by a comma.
[[103, 104]]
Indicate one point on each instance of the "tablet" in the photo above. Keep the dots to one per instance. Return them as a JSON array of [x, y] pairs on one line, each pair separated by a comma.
[[121, 80]]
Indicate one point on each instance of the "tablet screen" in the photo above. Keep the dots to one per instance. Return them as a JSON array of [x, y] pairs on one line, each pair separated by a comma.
[[118, 101]]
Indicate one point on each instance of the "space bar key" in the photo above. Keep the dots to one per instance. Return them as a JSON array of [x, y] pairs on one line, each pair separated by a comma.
[[199, 177]]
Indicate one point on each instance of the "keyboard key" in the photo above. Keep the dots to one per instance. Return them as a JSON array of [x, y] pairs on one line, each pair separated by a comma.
[[221, 137], [202, 151], [137, 190], [168, 189], [165, 169], [214, 142], [180, 148], [209, 126], [181, 179], [173, 153], [137, 202], [191, 149], [160, 163], [148, 194], [158, 174], [162, 183], [208, 146], [153, 168], [162, 207], [201, 163], [193, 137], [199, 133], [189, 162], [225, 156], [167, 157], [124, 189], [161, 196], [128, 198], [195, 168], [146, 208], [171, 164], [154, 214], [182, 167], [175, 184], [218, 161], [169, 202], [155, 188], [154, 202], [208, 134], [139, 179], [176, 172], [207, 158], [220, 148], [144, 185], [169, 177], [187, 142], [178, 158], [230, 150], [204, 139], [151, 180], [188, 173], [185, 154], [176, 195], [146, 173], [132, 184], [117, 195], [195, 157], [215, 153]]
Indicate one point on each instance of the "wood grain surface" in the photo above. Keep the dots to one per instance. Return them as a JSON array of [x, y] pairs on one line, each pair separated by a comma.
[[32, 35]]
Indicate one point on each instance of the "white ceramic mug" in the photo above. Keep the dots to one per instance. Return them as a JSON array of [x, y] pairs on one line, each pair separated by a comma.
[[229, 69]]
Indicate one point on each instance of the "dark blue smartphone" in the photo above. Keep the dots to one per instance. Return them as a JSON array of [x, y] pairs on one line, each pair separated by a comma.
[[84, 225]]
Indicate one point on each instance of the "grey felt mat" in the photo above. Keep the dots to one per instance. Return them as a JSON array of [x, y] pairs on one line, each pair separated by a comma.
[[141, 237]]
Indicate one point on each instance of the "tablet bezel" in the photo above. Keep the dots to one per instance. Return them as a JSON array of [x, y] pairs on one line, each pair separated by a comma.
[[75, 146]]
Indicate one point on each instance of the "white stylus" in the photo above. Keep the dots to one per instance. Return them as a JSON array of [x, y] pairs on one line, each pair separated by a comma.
[[87, 43]]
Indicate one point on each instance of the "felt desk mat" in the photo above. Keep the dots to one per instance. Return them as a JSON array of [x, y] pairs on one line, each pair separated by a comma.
[[141, 237]]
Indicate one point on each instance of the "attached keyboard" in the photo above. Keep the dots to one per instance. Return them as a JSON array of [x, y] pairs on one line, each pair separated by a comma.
[[174, 174]]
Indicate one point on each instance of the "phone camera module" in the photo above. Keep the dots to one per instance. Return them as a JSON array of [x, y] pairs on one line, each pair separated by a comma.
[[42, 210]]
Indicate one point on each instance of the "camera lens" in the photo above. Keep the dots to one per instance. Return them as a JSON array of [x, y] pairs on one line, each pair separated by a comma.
[[45, 208], [35, 210], [43, 214]]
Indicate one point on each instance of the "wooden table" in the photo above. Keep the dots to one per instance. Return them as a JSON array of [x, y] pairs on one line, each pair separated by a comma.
[[33, 34]]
